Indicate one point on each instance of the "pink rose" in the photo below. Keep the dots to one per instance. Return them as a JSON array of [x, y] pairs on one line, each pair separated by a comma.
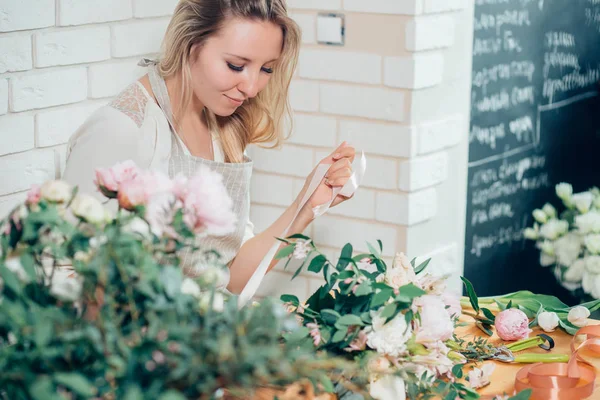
[[208, 207], [512, 324], [108, 180], [452, 303], [34, 195]]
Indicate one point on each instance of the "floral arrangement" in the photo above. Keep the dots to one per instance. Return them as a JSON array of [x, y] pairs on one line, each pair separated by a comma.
[[94, 305], [399, 320], [569, 242]]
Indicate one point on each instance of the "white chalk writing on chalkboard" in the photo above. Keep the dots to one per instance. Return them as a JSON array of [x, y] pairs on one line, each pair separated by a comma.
[[515, 18]]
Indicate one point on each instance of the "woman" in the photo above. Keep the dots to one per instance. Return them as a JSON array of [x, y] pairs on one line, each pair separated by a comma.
[[220, 84]]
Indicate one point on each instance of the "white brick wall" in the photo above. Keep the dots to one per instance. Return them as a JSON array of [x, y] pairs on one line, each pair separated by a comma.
[[340, 66], [15, 54], [66, 47], [78, 12], [409, 7], [47, 89], [401, 97], [26, 14]]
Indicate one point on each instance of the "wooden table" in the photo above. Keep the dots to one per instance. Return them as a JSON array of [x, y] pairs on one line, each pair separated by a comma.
[[503, 377]]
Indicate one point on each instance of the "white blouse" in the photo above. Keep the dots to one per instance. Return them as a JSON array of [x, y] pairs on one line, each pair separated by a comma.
[[131, 127]]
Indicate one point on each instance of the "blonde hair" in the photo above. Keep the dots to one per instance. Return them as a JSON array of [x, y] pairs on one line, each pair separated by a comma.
[[259, 120]]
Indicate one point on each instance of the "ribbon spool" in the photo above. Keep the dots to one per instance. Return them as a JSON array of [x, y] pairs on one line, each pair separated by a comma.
[[359, 167], [574, 380]]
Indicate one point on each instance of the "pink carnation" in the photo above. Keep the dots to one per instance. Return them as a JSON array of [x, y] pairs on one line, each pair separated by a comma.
[[34, 195], [109, 180], [208, 207], [512, 324]]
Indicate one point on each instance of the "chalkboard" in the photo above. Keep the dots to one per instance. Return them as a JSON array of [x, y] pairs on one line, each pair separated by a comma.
[[535, 120]]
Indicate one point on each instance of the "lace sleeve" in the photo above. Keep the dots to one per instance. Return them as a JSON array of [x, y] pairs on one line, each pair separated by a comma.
[[132, 102]]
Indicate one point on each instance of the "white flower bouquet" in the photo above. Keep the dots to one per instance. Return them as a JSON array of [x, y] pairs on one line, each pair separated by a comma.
[[570, 242]]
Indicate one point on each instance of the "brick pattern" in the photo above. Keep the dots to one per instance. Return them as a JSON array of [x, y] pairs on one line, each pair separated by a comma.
[[392, 97]]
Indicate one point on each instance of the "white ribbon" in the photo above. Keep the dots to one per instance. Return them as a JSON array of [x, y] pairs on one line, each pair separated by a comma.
[[359, 167]]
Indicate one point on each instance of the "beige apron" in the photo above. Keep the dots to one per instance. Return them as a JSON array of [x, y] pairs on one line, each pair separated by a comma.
[[236, 178]]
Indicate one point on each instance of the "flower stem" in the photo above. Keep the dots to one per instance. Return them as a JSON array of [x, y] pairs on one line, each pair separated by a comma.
[[543, 358]]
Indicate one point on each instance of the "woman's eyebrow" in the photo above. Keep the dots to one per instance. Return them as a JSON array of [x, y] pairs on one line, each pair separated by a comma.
[[245, 58]]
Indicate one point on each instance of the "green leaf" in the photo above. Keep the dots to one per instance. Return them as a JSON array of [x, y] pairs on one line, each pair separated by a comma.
[[486, 328], [451, 395], [373, 250], [363, 289], [509, 305], [381, 267], [43, 389], [567, 326], [330, 316], [297, 335], [350, 319], [389, 310], [339, 336], [289, 298], [381, 297], [10, 280], [345, 257], [522, 395], [286, 251], [457, 371], [592, 305], [409, 292], [43, 332], [501, 306], [75, 382], [133, 393], [172, 395], [471, 294], [28, 263], [317, 263], [327, 384], [422, 266], [380, 245], [489, 314], [297, 272]]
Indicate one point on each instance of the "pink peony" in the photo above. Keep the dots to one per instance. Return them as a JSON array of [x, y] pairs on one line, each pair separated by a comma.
[[208, 207], [34, 195], [512, 324], [452, 303], [139, 189], [108, 180], [435, 323]]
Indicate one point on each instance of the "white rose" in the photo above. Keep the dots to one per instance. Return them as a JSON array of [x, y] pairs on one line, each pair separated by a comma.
[[66, 288], [574, 273], [138, 226], [578, 316], [549, 210], [218, 301], [540, 216], [88, 208], [548, 321], [547, 247], [391, 338], [402, 272], [592, 264], [188, 286], [568, 248], [564, 191], [589, 282], [56, 191], [531, 234], [597, 201], [388, 387], [583, 201], [554, 228], [592, 243], [588, 223]]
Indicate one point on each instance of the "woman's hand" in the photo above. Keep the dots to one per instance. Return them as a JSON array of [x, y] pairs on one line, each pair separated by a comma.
[[338, 174]]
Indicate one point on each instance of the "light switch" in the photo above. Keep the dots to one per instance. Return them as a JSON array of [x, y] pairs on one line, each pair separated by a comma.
[[330, 28]]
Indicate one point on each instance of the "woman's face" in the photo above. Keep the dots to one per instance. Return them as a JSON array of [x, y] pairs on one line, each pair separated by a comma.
[[235, 64]]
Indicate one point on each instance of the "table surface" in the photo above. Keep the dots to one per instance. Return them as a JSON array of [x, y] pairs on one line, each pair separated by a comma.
[[503, 377]]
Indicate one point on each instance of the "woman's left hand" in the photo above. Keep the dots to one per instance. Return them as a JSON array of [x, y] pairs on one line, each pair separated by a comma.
[[338, 174]]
